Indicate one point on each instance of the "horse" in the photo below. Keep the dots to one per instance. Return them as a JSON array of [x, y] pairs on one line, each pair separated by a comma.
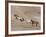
[[17, 17], [34, 22]]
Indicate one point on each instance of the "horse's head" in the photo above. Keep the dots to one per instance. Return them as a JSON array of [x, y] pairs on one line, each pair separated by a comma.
[[16, 15]]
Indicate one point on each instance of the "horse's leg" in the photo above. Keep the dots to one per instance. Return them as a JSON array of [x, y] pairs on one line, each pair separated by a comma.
[[32, 24], [36, 24]]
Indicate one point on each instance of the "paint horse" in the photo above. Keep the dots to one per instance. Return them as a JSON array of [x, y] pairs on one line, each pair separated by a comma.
[[17, 17]]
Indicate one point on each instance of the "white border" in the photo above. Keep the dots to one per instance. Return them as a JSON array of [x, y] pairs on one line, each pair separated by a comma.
[[29, 31]]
